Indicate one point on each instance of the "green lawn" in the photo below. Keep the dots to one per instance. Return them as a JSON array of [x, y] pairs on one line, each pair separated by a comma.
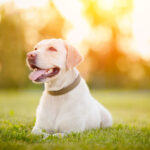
[[131, 129]]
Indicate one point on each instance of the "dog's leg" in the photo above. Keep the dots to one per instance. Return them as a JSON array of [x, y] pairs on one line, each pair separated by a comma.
[[106, 118], [60, 135], [38, 131]]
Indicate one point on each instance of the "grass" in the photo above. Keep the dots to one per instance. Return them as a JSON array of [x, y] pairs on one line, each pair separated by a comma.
[[131, 129]]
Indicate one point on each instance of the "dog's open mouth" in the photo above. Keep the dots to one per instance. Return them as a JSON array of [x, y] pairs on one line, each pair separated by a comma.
[[39, 74]]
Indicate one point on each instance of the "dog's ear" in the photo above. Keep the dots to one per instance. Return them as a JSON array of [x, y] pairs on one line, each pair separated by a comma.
[[73, 56]]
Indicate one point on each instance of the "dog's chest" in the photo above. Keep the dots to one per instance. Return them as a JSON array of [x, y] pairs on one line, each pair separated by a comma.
[[50, 110]]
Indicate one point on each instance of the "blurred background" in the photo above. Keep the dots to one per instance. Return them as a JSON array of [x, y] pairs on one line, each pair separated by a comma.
[[114, 38], [112, 35]]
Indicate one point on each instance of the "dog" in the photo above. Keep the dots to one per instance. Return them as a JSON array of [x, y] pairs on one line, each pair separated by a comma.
[[66, 104]]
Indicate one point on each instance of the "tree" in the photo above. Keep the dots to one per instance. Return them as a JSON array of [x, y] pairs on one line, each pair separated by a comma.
[[13, 71]]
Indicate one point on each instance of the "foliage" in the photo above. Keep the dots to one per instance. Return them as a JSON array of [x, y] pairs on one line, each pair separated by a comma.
[[54, 26], [12, 54], [116, 69], [131, 130], [13, 44], [106, 64]]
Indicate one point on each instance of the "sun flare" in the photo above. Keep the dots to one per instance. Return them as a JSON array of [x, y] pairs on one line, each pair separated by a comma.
[[24, 4], [72, 10], [141, 28], [106, 4]]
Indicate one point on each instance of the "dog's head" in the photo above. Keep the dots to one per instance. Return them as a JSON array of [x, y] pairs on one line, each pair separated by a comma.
[[51, 58]]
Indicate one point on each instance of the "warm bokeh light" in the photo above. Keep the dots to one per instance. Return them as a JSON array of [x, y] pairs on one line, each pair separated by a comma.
[[106, 4], [111, 34], [81, 30], [72, 11], [24, 4], [141, 27]]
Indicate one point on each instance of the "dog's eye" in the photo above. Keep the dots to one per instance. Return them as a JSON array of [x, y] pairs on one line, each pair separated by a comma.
[[35, 49], [52, 49]]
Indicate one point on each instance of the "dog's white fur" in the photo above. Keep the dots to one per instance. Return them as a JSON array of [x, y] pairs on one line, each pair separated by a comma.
[[74, 111]]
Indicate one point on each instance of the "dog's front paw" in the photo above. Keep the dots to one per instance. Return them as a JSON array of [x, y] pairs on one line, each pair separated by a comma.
[[45, 136], [60, 135], [38, 131]]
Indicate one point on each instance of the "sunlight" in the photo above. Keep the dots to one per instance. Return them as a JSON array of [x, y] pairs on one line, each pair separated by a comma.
[[71, 10], [3, 1], [106, 4], [24, 4], [141, 28], [81, 30]]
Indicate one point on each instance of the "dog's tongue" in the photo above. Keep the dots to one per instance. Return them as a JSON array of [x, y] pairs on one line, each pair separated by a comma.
[[36, 74]]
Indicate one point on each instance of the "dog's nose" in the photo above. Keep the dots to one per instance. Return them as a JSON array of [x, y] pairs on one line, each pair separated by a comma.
[[31, 55]]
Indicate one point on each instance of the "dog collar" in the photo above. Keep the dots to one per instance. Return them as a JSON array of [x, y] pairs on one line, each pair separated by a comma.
[[66, 89]]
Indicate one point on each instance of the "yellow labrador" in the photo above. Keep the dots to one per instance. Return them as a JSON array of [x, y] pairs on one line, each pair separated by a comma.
[[66, 104]]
